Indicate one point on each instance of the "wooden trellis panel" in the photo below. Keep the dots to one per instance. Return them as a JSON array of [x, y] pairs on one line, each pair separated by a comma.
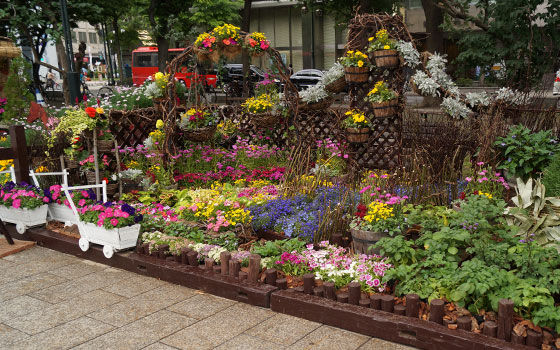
[[131, 128]]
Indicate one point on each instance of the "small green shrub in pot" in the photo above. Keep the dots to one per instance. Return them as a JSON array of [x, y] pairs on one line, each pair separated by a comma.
[[525, 154]]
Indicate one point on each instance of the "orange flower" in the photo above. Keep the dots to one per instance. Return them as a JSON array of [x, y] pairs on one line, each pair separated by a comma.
[[226, 41], [252, 42], [91, 112]]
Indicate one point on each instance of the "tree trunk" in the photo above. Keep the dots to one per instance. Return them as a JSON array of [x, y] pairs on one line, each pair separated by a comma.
[[62, 59], [434, 20], [163, 52], [245, 24], [118, 49]]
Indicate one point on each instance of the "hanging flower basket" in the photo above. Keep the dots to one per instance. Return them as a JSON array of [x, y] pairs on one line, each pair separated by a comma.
[[90, 177], [105, 146], [71, 163], [200, 134], [336, 86], [111, 240], [230, 51], [385, 109], [206, 56], [355, 135], [23, 217], [266, 119], [363, 240], [356, 74], [112, 189], [317, 106], [386, 58], [62, 213]]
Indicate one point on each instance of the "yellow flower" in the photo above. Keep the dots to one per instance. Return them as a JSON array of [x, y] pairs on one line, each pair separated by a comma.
[[370, 38], [158, 75], [159, 124], [41, 169], [360, 63], [99, 110], [387, 47]]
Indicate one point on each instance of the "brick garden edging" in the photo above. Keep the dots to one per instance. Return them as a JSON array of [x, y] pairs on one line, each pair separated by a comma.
[[296, 302]]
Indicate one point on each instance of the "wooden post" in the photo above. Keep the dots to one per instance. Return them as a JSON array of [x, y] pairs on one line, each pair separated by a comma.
[[208, 264], [282, 283], [412, 305], [464, 323], [193, 258], [234, 267], [308, 283], [387, 302], [517, 339], [329, 290], [271, 276], [505, 319], [95, 160], [400, 310], [62, 167], [224, 262], [342, 297], [242, 276], [436, 311], [254, 268], [319, 291], [19, 150], [354, 291], [534, 339], [490, 329], [364, 303], [184, 256], [375, 301]]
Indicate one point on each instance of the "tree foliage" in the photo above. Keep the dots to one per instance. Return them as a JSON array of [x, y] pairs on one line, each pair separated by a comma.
[[344, 10]]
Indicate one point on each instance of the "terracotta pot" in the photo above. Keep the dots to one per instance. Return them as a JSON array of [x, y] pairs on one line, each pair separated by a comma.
[[386, 58], [385, 109], [363, 240], [356, 74], [355, 135]]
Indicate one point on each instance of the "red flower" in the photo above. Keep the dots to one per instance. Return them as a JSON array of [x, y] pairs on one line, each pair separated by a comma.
[[90, 111], [362, 210], [462, 196], [106, 180]]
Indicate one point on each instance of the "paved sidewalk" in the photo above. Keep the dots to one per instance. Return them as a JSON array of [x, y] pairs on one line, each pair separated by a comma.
[[50, 300]]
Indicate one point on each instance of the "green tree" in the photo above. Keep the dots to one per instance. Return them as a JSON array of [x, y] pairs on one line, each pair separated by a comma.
[[16, 90], [344, 10]]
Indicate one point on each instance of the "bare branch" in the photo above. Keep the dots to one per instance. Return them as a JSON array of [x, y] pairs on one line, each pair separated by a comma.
[[452, 10]]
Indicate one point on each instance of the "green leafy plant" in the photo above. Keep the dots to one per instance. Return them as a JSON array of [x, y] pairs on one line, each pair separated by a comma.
[[16, 91], [525, 154], [380, 93], [551, 177]]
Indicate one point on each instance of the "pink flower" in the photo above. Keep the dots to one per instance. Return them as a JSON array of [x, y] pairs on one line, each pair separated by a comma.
[[45, 199], [480, 163], [376, 282], [81, 202], [468, 179], [114, 222], [16, 203], [100, 223]]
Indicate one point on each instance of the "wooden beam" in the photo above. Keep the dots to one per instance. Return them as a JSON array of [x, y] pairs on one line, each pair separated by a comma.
[[19, 149]]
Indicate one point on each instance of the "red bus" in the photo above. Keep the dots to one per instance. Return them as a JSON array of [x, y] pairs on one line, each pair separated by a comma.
[[145, 64]]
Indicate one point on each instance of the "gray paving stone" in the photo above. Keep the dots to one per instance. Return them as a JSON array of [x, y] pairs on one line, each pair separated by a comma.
[[79, 269], [159, 346], [142, 305], [133, 286], [246, 342], [283, 329], [64, 336], [201, 306], [57, 314], [330, 338], [20, 271], [218, 328], [380, 344], [141, 333], [36, 254], [20, 306], [9, 335], [28, 285]]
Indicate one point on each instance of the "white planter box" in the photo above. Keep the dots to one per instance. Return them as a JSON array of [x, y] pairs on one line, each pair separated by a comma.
[[62, 213], [24, 218], [111, 240]]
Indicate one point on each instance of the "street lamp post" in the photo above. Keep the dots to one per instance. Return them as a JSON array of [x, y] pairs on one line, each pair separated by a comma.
[[72, 77]]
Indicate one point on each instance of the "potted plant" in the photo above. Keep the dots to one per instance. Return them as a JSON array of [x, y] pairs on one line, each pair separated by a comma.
[[257, 44], [356, 66], [105, 141], [199, 124], [333, 79], [73, 125], [314, 98], [87, 167], [229, 42], [205, 48], [156, 89], [115, 226], [74, 152], [24, 205], [260, 110], [383, 100], [356, 124], [383, 49], [59, 206]]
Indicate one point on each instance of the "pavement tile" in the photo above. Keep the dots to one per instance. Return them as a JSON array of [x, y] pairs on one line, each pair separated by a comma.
[[28, 285], [283, 329], [80, 286], [159, 346], [134, 286], [39, 253], [57, 314], [64, 336], [380, 344], [77, 270], [218, 328], [201, 306], [20, 306], [25, 270], [9, 335], [142, 305], [246, 342], [330, 338], [141, 333]]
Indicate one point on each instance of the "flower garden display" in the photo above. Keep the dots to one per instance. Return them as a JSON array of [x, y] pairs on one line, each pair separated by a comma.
[[24, 205], [384, 50], [228, 39], [356, 66], [59, 207], [105, 141], [74, 123], [383, 99], [333, 79], [205, 48], [315, 98], [199, 124], [257, 44], [156, 89], [115, 226], [356, 124], [260, 110]]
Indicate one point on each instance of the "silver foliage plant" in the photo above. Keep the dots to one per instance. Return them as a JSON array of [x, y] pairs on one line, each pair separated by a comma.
[[455, 107], [477, 99], [153, 91], [409, 53], [314, 94], [427, 85], [509, 96], [333, 74]]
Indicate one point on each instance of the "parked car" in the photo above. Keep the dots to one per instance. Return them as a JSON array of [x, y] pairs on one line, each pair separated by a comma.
[[306, 78]]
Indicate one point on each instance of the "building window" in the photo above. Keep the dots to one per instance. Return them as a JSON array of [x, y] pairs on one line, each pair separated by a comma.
[[92, 38], [414, 4], [74, 36], [82, 36]]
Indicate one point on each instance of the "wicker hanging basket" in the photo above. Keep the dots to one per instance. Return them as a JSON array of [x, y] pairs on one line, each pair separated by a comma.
[[385, 109], [90, 177], [317, 106], [207, 56], [105, 146], [8, 49], [266, 119], [112, 189], [201, 134], [356, 74], [386, 58], [355, 135], [336, 86], [254, 54], [230, 51], [71, 163]]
